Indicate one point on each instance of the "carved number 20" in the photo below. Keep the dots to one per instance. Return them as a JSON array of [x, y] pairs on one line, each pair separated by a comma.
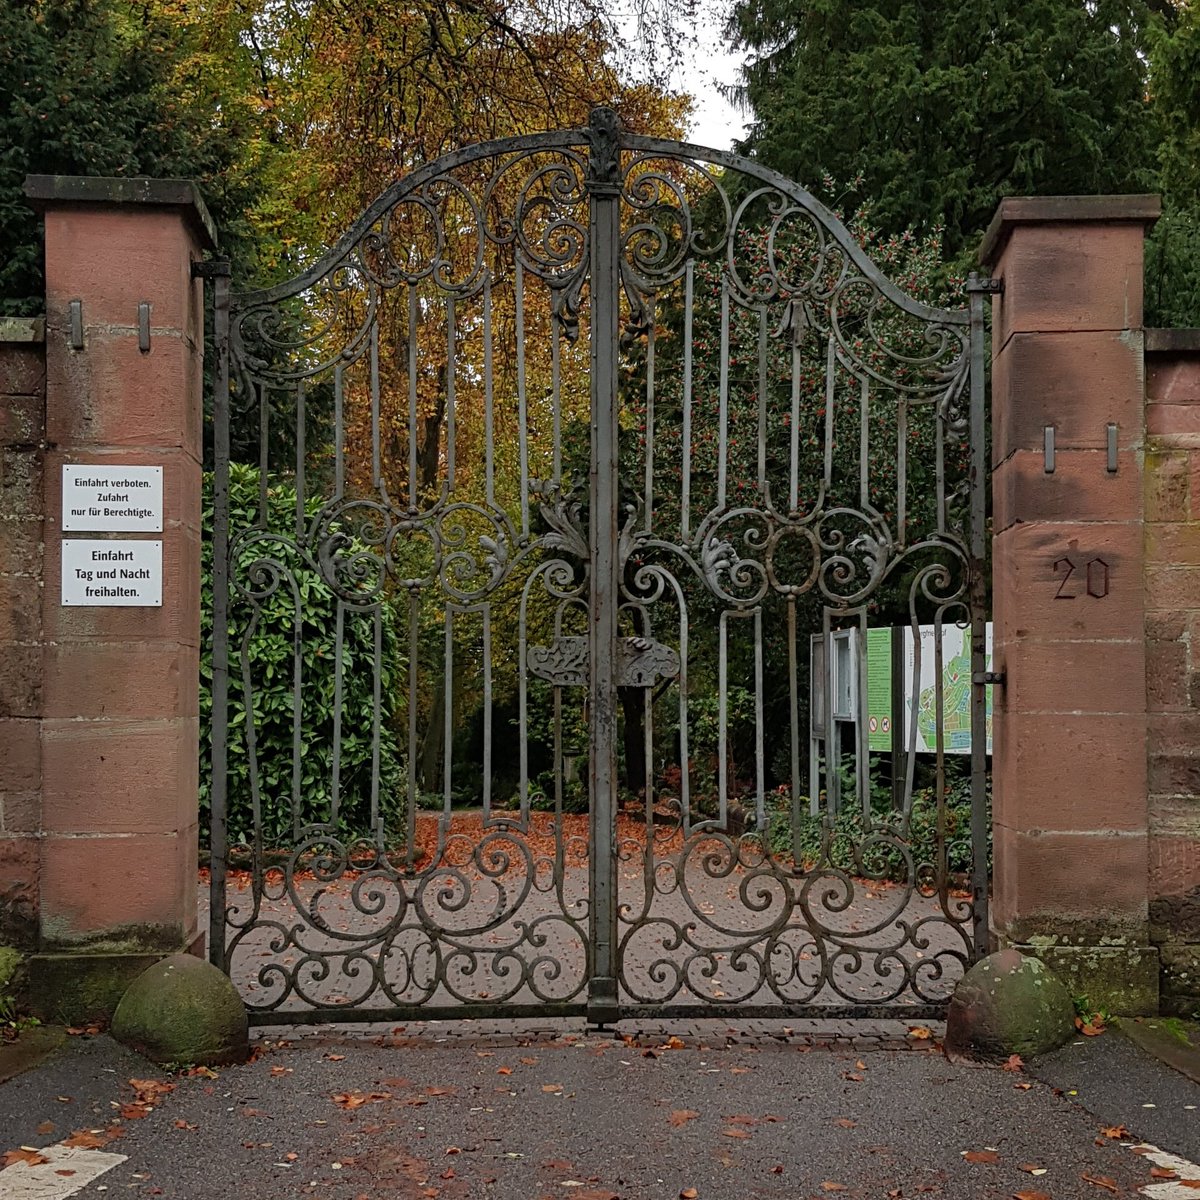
[[1095, 575]]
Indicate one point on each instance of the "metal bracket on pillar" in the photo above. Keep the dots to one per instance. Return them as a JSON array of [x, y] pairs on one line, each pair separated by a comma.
[[991, 287], [144, 326], [75, 333], [1048, 449], [989, 677], [211, 268], [1112, 448]]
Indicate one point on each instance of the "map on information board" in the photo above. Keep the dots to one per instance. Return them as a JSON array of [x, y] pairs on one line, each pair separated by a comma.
[[956, 689]]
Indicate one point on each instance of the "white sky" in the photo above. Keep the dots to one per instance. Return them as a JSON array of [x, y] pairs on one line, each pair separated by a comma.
[[715, 122]]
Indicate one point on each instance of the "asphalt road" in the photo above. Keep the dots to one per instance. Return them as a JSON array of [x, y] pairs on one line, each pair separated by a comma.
[[599, 1119]]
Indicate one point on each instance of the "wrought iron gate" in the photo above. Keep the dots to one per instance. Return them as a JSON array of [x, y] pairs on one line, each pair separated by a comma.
[[551, 469]]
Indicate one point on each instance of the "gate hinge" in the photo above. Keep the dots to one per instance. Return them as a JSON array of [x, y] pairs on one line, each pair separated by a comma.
[[988, 677], [994, 287], [211, 268]]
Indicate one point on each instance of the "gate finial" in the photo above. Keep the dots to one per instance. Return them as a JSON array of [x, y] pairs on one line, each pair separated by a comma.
[[604, 135]]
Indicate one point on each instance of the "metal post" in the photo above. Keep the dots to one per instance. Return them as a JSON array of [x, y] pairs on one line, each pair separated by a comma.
[[605, 230], [218, 841], [979, 482]]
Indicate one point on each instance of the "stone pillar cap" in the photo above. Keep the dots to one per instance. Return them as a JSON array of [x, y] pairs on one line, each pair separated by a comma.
[[1044, 210], [48, 191]]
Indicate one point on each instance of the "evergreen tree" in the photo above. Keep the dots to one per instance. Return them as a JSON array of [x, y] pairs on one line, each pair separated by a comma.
[[935, 109], [111, 87]]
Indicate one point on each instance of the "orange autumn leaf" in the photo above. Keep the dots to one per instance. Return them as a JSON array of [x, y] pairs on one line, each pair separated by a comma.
[[981, 1156], [25, 1154], [681, 1116]]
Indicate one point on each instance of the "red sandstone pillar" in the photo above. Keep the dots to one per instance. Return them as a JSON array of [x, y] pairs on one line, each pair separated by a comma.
[[1069, 771], [120, 684]]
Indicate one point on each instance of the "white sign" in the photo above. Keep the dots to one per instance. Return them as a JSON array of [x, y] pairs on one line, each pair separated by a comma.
[[125, 574], [99, 496]]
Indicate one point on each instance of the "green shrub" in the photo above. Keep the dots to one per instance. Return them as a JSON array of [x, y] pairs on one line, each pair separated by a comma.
[[268, 651], [842, 841]]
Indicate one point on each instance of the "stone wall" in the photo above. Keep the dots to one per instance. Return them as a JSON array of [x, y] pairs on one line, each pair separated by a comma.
[[22, 451], [1172, 541]]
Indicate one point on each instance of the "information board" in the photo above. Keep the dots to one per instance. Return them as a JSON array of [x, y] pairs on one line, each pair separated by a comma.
[[114, 573], [100, 498]]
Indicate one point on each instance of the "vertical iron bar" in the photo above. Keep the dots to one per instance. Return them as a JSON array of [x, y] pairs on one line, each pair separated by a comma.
[[414, 634], [648, 496], [219, 786], [723, 419], [760, 801], [376, 455], [862, 744], [489, 432], [864, 443], [300, 419], [762, 401], [339, 449], [451, 359], [522, 412], [413, 313], [794, 462], [685, 503], [339, 635], [794, 700], [605, 238], [487, 711], [979, 480]]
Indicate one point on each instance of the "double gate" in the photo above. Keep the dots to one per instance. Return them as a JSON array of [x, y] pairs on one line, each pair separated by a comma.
[[536, 502]]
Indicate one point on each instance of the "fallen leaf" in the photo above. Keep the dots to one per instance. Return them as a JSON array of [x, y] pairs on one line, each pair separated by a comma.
[[846, 1123], [441, 1091], [504, 1070], [830, 1186], [202, 1073], [1190, 1183], [688, 1194], [1163, 1173], [91, 1139], [1030, 1196], [1115, 1131], [335, 1057], [1022, 1087], [860, 1065], [552, 1087], [681, 1116], [1101, 1181], [981, 1156], [920, 1032], [26, 1154], [734, 1133], [358, 1099], [529, 1062], [135, 1112], [66, 1172], [1032, 1169], [1013, 1063], [281, 1071], [675, 1043], [852, 1077]]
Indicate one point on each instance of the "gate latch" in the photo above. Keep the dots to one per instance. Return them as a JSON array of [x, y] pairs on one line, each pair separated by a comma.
[[641, 662], [988, 677]]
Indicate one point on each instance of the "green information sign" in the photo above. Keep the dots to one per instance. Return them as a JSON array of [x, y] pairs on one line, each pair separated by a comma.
[[879, 689]]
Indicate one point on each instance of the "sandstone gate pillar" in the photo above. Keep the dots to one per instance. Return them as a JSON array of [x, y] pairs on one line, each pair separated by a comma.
[[119, 719], [1068, 426]]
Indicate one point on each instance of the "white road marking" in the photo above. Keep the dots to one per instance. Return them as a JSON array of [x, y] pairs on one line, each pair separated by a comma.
[[22, 1182], [1168, 1189]]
